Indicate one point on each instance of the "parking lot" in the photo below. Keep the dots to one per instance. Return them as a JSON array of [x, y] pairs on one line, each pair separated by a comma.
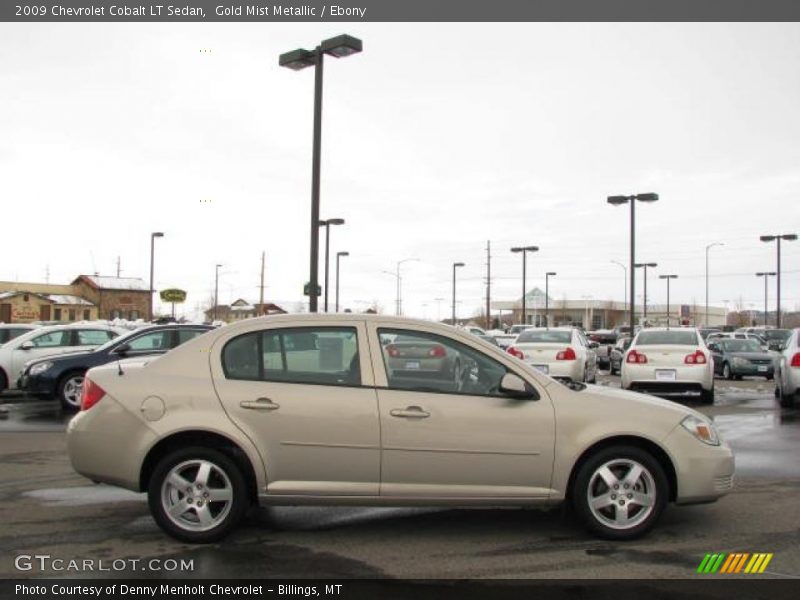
[[48, 510]]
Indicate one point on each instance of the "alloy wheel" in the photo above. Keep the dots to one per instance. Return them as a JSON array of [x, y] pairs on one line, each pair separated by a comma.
[[621, 493], [197, 495]]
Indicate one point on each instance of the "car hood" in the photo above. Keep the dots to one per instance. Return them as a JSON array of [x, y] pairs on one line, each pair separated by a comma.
[[59, 358], [621, 398]]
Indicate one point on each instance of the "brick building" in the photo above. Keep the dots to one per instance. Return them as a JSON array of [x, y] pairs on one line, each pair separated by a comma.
[[241, 309]]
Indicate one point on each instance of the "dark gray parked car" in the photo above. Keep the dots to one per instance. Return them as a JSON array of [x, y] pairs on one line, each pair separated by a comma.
[[736, 358]]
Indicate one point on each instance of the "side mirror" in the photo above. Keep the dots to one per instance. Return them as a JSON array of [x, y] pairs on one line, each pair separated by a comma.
[[26, 346], [122, 349], [713, 347], [594, 345], [516, 387]]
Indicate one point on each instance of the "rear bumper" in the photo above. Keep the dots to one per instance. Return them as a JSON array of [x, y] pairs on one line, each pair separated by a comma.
[[561, 369], [687, 378], [667, 388]]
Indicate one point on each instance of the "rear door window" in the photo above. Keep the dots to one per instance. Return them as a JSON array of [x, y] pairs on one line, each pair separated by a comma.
[[93, 337]]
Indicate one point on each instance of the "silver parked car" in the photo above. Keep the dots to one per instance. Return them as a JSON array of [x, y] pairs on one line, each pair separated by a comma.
[[307, 409], [787, 376]]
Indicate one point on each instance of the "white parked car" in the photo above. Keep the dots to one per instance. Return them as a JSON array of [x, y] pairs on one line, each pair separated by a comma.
[[307, 409], [503, 339], [787, 376], [669, 362], [561, 352], [49, 341], [8, 331]]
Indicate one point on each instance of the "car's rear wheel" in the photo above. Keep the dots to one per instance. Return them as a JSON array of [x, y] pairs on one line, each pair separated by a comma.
[[197, 495], [726, 371], [707, 396], [69, 390], [785, 400], [3, 381], [620, 492]]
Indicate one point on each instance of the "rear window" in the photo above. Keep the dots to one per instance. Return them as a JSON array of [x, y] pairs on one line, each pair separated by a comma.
[[676, 338], [545, 337]]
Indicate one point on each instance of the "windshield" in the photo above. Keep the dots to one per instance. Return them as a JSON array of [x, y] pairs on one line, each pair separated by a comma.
[[780, 335], [519, 328], [740, 346], [545, 337], [675, 338]]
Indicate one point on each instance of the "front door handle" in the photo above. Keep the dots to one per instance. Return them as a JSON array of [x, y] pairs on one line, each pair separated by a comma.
[[259, 404], [410, 412]]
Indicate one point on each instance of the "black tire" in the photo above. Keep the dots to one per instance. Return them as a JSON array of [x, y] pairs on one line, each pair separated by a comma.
[[726, 372], [770, 377], [3, 381], [643, 519], [227, 517], [707, 396], [785, 400], [65, 391]]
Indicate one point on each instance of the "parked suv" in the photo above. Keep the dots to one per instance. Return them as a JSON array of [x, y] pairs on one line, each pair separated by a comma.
[[62, 376]]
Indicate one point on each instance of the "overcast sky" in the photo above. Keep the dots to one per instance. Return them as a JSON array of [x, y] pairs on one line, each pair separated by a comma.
[[437, 138]]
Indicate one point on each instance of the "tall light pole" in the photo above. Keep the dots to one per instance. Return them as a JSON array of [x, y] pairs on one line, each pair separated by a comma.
[[338, 47], [766, 275], [327, 225], [547, 277], [216, 290], [153, 236], [455, 266], [338, 256], [789, 237], [707, 249], [398, 296], [667, 277], [625, 280], [618, 201], [524, 250], [644, 266]]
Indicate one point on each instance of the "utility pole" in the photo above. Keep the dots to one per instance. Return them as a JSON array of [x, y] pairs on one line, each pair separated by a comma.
[[488, 284], [261, 295], [119, 269]]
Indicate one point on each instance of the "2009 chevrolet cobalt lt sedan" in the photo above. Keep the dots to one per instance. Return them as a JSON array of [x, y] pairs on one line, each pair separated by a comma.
[[312, 409]]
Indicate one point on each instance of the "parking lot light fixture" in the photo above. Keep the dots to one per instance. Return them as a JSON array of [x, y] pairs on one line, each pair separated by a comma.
[[644, 266], [338, 47], [625, 281], [524, 250], [456, 265], [216, 290], [153, 236], [338, 256], [766, 275], [618, 201], [707, 249], [398, 293], [789, 237], [547, 277], [327, 225], [667, 277]]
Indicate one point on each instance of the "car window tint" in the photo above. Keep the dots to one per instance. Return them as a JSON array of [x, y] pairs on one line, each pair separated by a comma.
[[677, 338], [741, 346], [93, 337], [426, 362], [52, 340], [184, 335], [312, 355], [155, 340], [547, 336]]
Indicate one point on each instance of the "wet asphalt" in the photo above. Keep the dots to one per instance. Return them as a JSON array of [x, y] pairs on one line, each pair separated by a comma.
[[47, 509]]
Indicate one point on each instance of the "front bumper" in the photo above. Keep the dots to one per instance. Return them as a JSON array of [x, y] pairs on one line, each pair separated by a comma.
[[752, 370], [704, 473], [37, 385]]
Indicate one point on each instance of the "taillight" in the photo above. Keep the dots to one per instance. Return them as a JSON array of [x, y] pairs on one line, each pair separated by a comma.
[[91, 394], [568, 354], [796, 360], [437, 352], [392, 351], [635, 357], [697, 358], [516, 352]]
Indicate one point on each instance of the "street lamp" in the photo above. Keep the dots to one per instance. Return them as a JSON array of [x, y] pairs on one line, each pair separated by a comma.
[[327, 225], [153, 236], [625, 279], [398, 298], [338, 47], [766, 275], [216, 290], [667, 277], [789, 237], [644, 266], [547, 277], [618, 201], [455, 266], [707, 249], [524, 250], [338, 256]]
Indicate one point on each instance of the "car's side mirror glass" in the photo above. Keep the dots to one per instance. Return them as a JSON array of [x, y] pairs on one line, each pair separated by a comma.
[[122, 349], [26, 345], [713, 347], [514, 386], [593, 345]]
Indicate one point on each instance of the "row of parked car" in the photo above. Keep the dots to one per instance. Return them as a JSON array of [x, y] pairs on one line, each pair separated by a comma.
[[51, 361]]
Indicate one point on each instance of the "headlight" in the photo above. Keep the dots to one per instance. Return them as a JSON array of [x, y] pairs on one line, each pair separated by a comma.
[[40, 368], [740, 362], [701, 429]]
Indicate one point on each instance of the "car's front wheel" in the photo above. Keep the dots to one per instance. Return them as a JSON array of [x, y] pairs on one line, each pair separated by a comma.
[[726, 371], [69, 390], [620, 492], [197, 495]]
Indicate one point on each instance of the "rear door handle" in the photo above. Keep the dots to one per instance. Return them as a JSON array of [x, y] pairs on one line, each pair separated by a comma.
[[410, 412], [259, 404]]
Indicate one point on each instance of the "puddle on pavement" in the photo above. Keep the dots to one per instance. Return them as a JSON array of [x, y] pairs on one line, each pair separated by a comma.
[[84, 496], [34, 415]]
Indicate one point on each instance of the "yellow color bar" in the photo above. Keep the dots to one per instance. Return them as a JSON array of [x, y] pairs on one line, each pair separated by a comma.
[[757, 558], [766, 562]]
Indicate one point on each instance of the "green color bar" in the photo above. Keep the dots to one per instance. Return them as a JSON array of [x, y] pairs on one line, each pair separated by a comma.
[[702, 566], [718, 564]]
